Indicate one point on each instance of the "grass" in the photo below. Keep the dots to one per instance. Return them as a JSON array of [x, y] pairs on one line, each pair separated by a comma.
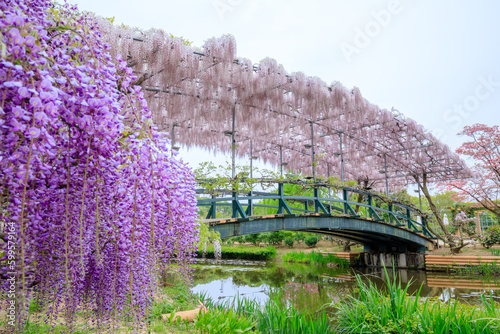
[[173, 299], [168, 299], [494, 252], [487, 269], [373, 311], [241, 252], [315, 258], [225, 321], [369, 310], [277, 316]]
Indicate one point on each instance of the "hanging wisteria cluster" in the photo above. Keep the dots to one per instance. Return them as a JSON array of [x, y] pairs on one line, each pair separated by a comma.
[[193, 92], [92, 201]]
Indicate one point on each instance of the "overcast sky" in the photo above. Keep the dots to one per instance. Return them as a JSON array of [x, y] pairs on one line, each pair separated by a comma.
[[437, 62]]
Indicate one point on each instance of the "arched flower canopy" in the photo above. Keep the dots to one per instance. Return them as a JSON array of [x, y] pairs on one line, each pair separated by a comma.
[[194, 94]]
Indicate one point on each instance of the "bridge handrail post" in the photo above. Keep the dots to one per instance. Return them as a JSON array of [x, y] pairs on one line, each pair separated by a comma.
[[249, 210], [408, 217], [391, 212], [213, 209], [345, 197], [318, 206], [234, 213], [316, 199], [237, 209], [282, 205], [281, 199], [371, 208], [425, 231], [370, 204]]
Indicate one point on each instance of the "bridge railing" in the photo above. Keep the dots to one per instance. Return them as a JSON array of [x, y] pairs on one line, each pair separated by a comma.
[[243, 206]]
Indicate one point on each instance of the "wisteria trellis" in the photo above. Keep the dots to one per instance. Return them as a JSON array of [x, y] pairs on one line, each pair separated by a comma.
[[93, 205], [194, 91]]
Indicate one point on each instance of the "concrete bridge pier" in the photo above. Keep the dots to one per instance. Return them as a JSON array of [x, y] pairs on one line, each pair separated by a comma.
[[401, 260]]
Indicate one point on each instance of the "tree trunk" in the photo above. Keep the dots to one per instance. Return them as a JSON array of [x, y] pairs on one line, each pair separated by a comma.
[[448, 237], [359, 199], [360, 196], [347, 246]]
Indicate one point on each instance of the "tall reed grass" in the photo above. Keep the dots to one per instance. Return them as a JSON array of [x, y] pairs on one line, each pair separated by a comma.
[[373, 311], [495, 252], [486, 268], [276, 316]]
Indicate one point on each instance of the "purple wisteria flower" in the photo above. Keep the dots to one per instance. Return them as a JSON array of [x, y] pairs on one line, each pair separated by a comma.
[[35, 102], [18, 112], [15, 36], [100, 204], [23, 92], [41, 117], [16, 125], [34, 132], [29, 41], [46, 84]]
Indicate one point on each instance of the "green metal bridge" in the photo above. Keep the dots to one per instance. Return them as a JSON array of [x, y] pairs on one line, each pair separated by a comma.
[[393, 227]]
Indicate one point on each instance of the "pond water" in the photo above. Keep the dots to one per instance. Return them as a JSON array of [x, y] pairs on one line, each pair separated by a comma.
[[311, 286]]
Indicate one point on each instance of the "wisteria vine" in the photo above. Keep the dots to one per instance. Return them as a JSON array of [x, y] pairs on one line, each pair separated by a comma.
[[92, 202], [201, 94]]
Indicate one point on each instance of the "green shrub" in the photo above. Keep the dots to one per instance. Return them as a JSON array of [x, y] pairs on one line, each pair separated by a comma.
[[491, 237], [253, 238], [275, 238], [311, 240], [246, 253], [299, 237], [289, 242], [239, 239], [315, 258]]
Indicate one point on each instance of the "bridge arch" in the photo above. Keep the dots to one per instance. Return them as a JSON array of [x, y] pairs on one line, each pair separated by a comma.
[[374, 235], [378, 225]]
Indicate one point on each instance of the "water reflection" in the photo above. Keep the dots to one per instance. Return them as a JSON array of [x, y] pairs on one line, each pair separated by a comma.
[[309, 286], [227, 289]]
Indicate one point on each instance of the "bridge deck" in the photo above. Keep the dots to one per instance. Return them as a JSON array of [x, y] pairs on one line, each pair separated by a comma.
[[376, 222], [374, 234]]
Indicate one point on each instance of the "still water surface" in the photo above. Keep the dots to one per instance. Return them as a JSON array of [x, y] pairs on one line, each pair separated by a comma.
[[314, 286]]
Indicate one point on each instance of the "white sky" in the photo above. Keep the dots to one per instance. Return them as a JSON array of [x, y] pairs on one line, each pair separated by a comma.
[[431, 60]]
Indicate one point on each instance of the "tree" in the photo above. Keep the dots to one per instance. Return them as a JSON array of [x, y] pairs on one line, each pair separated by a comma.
[[299, 237], [311, 240], [464, 224], [484, 185], [455, 245], [445, 200], [275, 238], [253, 238]]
